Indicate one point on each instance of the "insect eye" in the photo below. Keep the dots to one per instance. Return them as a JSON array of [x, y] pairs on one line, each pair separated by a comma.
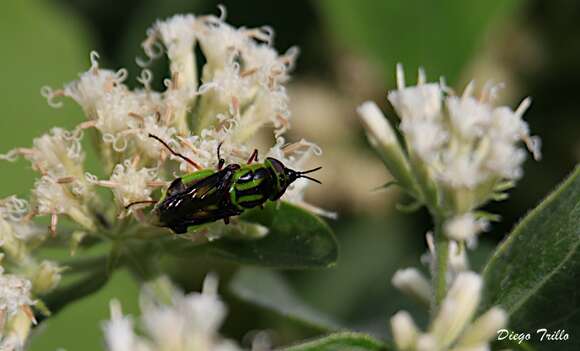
[[278, 166]]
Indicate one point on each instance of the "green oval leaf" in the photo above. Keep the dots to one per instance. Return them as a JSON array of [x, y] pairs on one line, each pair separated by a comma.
[[269, 290], [42, 44], [341, 342], [534, 274], [296, 239]]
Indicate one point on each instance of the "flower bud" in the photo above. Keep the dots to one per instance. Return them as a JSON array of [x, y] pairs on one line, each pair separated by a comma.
[[382, 137], [119, 333], [376, 124], [46, 277], [178, 35], [457, 308], [484, 328], [404, 330], [413, 283], [426, 342]]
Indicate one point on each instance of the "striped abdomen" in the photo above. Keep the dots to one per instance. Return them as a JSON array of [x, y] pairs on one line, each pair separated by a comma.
[[252, 186]]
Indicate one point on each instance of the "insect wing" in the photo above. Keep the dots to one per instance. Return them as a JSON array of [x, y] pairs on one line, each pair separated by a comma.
[[201, 202], [197, 195]]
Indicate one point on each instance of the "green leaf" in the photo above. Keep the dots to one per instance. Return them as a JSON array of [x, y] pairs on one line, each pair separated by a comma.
[[341, 342], [442, 36], [297, 239], [78, 326], [42, 44], [534, 274], [269, 290], [65, 295]]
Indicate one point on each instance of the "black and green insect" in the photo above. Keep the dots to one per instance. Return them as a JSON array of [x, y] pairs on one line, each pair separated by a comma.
[[210, 195]]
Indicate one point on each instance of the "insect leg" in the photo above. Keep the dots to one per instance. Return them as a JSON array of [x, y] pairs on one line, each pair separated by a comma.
[[253, 156], [186, 159], [140, 202], [227, 220]]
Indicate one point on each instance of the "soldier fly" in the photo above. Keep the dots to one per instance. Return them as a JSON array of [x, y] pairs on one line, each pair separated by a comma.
[[210, 195]]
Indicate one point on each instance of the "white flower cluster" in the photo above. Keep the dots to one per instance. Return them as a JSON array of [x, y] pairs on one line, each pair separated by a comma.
[[459, 151], [25, 275], [239, 92], [17, 236], [58, 157], [14, 294], [173, 321], [453, 328], [16, 315], [13, 227]]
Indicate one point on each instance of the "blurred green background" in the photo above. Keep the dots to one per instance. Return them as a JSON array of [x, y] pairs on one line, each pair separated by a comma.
[[348, 53]]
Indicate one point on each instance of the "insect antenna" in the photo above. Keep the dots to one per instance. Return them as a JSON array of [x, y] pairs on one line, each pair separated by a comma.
[[186, 159], [221, 161], [140, 202], [302, 174], [310, 178], [310, 170]]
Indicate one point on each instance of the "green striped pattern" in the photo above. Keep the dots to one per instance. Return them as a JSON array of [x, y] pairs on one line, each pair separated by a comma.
[[245, 192]]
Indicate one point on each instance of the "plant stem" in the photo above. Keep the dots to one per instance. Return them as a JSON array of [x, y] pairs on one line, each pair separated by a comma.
[[441, 263]]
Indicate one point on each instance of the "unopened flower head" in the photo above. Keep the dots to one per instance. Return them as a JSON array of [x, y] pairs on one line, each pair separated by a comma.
[[460, 148], [46, 277], [119, 334], [379, 131], [458, 308], [414, 283], [178, 36], [185, 322], [452, 328], [405, 332]]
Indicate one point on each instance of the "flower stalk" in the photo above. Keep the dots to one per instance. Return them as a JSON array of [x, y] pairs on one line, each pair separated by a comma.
[[456, 154], [442, 259]]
